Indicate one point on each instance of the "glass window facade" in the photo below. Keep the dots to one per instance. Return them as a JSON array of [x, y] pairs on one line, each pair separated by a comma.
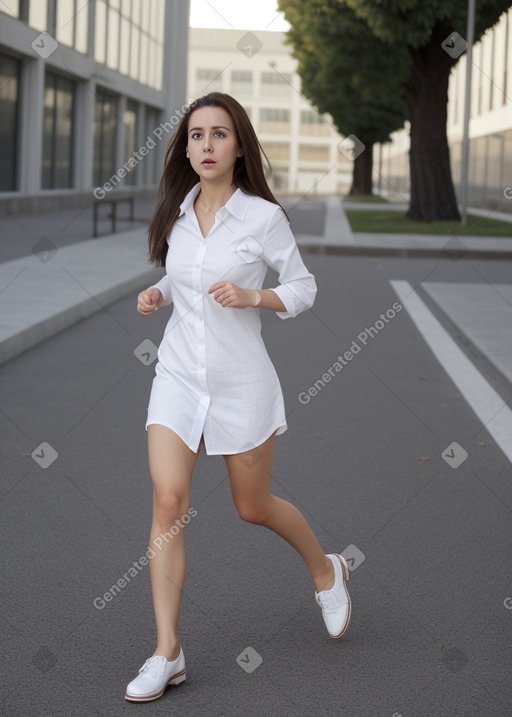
[[11, 7], [9, 91], [275, 84], [104, 137], [129, 38], [274, 121], [314, 152], [208, 81], [490, 167], [312, 124], [310, 117], [271, 114], [276, 150], [57, 164], [241, 83], [65, 20], [38, 15]]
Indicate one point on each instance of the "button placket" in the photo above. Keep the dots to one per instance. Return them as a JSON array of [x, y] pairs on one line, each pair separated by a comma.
[[200, 324]]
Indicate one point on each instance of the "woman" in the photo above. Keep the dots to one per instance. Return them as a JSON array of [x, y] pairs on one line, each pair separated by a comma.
[[217, 228]]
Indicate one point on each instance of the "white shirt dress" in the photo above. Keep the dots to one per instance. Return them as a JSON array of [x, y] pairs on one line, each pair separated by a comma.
[[214, 376]]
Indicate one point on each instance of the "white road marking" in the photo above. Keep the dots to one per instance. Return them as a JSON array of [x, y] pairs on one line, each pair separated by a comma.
[[490, 408]]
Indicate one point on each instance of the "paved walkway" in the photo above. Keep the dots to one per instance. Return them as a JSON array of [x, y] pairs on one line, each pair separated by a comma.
[[389, 463], [22, 234], [60, 275]]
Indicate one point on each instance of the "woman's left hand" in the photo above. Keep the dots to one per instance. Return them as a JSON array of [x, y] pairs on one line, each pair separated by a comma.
[[229, 294]]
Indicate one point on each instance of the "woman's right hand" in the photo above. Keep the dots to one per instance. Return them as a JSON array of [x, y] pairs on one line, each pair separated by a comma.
[[148, 301]]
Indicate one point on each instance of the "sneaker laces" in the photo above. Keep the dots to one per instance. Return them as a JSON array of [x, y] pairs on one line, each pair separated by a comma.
[[152, 665], [327, 600]]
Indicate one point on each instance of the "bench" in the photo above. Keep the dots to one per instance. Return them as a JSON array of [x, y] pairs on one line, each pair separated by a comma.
[[113, 201]]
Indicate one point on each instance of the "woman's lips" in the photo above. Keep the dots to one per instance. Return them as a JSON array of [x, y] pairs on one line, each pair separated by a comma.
[[207, 162]]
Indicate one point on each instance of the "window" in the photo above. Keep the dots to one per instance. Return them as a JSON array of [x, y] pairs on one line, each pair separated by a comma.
[[477, 178], [100, 31], [314, 152], [38, 15], [113, 39], [104, 137], [495, 164], [57, 162], [491, 38], [275, 84], [129, 36], [208, 81], [9, 91], [311, 123], [274, 120], [11, 7], [71, 21], [276, 150], [241, 83]]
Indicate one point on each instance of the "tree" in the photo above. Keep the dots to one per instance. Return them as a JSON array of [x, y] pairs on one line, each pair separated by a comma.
[[348, 74], [422, 27]]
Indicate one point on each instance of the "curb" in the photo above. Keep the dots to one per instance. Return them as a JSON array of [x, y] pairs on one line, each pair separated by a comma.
[[31, 336], [405, 253], [48, 292]]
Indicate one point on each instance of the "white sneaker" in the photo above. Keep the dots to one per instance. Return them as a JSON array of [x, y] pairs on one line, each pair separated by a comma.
[[154, 676], [335, 603]]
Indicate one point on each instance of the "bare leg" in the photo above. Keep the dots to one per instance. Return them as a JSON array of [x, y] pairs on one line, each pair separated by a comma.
[[250, 475], [171, 464]]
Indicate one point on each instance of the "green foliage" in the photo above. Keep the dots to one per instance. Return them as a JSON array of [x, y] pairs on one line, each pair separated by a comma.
[[345, 71], [411, 22]]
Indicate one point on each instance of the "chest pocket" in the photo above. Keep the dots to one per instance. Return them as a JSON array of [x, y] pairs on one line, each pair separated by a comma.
[[249, 249]]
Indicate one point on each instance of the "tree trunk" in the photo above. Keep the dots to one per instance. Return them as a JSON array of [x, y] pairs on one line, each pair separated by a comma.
[[432, 193], [362, 173]]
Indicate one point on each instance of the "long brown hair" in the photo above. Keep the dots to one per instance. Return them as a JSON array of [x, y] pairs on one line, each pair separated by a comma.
[[178, 177]]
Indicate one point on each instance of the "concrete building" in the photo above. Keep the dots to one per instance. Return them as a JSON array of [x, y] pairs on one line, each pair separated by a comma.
[[89, 94], [257, 68], [490, 127]]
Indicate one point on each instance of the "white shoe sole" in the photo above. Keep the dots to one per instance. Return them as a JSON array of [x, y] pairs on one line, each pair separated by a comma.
[[173, 680]]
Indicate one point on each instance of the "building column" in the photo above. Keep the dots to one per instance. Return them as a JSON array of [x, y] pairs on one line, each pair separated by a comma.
[[141, 139], [174, 87], [31, 134], [83, 141], [120, 134]]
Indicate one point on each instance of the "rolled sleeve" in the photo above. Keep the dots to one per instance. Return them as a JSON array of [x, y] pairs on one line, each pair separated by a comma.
[[164, 286], [297, 288]]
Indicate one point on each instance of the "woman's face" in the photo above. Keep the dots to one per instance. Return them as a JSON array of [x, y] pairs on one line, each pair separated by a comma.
[[212, 143]]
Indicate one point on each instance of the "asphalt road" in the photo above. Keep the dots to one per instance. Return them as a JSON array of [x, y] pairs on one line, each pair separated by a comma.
[[431, 578]]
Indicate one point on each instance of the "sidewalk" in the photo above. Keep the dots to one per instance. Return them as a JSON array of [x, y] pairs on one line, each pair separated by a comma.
[[339, 238], [60, 277]]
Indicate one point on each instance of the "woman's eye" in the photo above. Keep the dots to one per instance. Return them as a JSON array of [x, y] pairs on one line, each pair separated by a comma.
[[220, 133]]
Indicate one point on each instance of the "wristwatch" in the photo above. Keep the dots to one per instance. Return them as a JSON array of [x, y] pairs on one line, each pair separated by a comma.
[[257, 299]]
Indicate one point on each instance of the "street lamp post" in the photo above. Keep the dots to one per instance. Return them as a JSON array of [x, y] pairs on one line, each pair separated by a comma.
[[467, 108]]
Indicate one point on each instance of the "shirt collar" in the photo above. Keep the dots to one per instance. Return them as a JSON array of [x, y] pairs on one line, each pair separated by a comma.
[[236, 205]]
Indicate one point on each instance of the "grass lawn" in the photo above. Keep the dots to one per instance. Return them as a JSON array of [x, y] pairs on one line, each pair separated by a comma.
[[365, 198], [386, 222]]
